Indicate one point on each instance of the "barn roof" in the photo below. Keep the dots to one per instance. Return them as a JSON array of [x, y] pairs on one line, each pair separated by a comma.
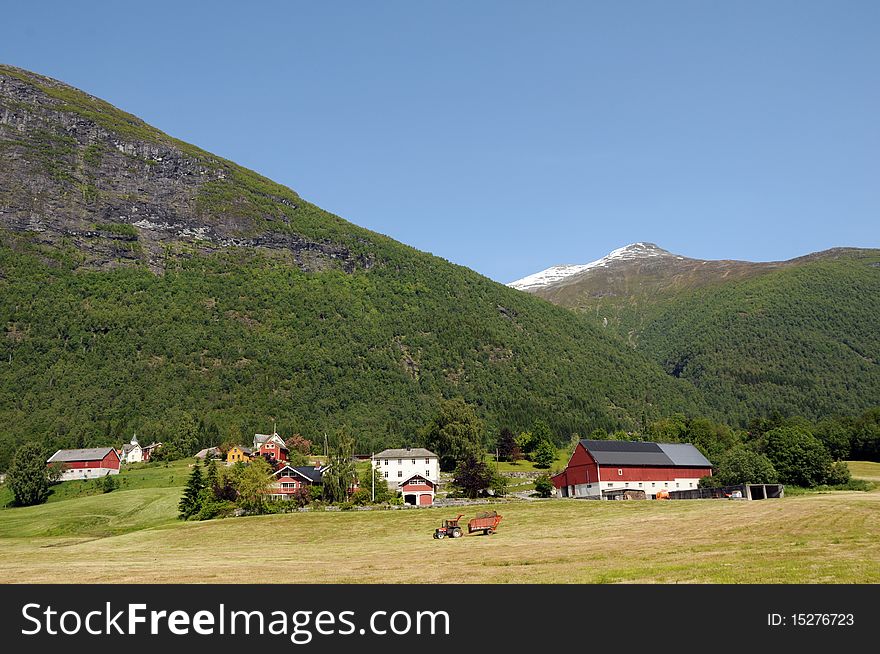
[[88, 454], [685, 454], [642, 453], [404, 453]]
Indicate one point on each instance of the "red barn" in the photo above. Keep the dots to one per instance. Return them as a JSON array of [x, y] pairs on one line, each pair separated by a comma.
[[86, 464], [599, 468]]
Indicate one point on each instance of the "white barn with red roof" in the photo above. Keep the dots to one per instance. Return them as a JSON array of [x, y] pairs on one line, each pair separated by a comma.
[[599, 469], [86, 463]]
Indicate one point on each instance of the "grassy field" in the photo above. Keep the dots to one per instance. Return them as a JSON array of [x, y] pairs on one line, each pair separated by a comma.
[[865, 470], [816, 538], [172, 474]]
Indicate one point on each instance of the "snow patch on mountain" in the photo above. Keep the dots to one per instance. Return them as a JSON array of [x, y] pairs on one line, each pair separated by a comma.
[[555, 274]]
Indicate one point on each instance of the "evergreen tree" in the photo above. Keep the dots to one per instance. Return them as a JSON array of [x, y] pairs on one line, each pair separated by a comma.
[[191, 501], [27, 475], [340, 476], [545, 454]]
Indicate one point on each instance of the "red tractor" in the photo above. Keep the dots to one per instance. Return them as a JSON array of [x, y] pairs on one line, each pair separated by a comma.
[[449, 528]]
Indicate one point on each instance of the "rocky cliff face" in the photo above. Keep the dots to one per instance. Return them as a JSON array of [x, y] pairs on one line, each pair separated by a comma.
[[78, 172]]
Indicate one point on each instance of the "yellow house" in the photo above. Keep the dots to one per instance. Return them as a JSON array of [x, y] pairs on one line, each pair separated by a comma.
[[239, 453]]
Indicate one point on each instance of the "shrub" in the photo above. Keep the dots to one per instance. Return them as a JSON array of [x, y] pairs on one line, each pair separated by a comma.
[[543, 486]]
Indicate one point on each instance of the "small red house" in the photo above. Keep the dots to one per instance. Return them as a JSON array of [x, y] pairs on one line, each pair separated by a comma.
[[87, 463], [600, 469], [271, 445], [418, 490]]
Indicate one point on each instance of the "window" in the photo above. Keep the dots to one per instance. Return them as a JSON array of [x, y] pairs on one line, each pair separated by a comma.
[[386, 474], [610, 484], [653, 484], [413, 461], [427, 462], [620, 472], [271, 446], [691, 484], [386, 462], [640, 484], [400, 473], [400, 462], [427, 473], [676, 484]]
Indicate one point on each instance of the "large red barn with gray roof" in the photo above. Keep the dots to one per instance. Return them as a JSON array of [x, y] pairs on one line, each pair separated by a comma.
[[598, 469]]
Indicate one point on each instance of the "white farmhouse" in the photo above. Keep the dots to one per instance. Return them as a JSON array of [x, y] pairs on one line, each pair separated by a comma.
[[414, 471], [398, 465], [132, 453]]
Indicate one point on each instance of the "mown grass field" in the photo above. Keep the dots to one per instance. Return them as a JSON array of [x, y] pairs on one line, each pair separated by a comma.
[[132, 536]]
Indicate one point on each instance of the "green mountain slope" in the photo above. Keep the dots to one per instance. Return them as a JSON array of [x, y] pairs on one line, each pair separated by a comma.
[[143, 278], [794, 337]]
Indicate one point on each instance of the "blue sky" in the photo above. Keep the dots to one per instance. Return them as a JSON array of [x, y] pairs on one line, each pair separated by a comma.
[[510, 136]]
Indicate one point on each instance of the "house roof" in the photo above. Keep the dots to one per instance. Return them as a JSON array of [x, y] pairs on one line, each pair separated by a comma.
[[403, 453], [245, 449], [128, 447], [315, 475], [642, 453], [310, 473], [88, 454]]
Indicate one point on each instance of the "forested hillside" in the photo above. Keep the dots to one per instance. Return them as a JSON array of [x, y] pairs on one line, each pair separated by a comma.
[[797, 337], [145, 283]]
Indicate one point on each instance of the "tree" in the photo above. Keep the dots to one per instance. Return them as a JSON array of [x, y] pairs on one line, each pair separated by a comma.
[[835, 436], [252, 483], [541, 432], [506, 445], [798, 456], [297, 443], [525, 442], [839, 474], [544, 454], [340, 475], [498, 485], [372, 479], [742, 465], [107, 483], [184, 440], [191, 501], [472, 476], [27, 475], [455, 433], [543, 486]]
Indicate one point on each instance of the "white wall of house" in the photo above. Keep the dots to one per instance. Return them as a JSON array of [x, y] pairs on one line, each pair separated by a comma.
[[134, 455], [401, 468], [86, 473]]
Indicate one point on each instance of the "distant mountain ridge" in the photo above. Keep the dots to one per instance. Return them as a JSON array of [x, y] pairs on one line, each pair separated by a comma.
[[798, 337]]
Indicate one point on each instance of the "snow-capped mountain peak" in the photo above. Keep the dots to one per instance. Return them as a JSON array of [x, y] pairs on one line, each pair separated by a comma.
[[555, 274]]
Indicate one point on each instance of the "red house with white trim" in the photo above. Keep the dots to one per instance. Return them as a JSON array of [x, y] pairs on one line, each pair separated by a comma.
[[87, 463], [288, 480], [271, 445], [598, 469]]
